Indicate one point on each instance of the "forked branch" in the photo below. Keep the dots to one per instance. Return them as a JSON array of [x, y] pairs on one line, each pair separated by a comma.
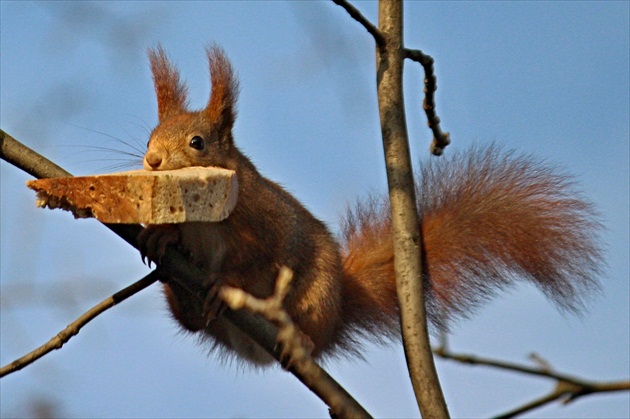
[[568, 388]]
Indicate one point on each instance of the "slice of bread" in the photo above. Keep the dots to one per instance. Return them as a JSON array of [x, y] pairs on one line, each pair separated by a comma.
[[143, 197]]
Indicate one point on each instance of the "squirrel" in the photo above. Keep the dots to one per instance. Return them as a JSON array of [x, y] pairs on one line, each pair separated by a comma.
[[488, 217]]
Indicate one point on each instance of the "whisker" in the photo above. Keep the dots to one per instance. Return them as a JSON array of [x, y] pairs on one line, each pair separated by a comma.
[[142, 124], [122, 164], [130, 155], [114, 138], [103, 148]]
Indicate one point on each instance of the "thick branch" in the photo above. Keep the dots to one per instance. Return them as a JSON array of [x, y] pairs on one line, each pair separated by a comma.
[[356, 15], [440, 139], [174, 265], [28, 160], [405, 223]]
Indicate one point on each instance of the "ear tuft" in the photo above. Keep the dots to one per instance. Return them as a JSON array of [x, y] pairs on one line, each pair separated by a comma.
[[221, 107], [170, 91]]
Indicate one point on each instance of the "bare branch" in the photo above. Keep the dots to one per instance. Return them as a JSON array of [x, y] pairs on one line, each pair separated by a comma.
[[534, 404], [26, 159], [568, 388], [369, 26], [405, 223], [295, 347], [73, 328], [440, 139]]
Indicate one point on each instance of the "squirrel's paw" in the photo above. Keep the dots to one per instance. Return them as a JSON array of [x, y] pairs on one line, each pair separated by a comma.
[[153, 239]]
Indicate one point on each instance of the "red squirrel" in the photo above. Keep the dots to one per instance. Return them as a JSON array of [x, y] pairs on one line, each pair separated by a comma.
[[489, 217]]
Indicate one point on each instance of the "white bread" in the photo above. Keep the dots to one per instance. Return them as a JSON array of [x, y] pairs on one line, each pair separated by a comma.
[[143, 197]]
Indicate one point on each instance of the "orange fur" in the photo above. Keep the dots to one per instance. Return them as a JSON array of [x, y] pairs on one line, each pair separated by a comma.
[[222, 105], [489, 217], [171, 93]]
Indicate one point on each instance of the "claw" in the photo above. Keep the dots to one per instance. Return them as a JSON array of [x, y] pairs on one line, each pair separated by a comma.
[[213, 305], [153, 240]]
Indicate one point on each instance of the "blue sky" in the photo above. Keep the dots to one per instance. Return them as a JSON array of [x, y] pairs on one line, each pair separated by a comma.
[[548, 78]]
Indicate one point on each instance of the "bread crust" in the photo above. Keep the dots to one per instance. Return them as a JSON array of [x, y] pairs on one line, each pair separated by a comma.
[[205, 194]]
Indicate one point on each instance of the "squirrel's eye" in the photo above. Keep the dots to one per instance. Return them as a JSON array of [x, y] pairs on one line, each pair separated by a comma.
[[197, 142]]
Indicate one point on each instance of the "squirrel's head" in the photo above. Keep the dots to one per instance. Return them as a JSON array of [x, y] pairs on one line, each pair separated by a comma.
[[185, 138]]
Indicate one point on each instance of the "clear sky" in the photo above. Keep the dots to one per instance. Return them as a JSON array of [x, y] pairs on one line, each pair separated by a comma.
[[548, 78]]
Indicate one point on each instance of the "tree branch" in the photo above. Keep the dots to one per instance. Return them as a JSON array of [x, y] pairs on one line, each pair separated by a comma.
[[534, 404], [174, 265], [405, 223], [356, 15], [293, 346], [290, 338], [568, 387], [440, 139], [73, 328]]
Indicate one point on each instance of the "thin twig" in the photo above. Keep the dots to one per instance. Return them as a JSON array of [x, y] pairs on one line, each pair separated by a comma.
[[568, 387], [73, 328], [534, 404], [369, 26], [440, 139]]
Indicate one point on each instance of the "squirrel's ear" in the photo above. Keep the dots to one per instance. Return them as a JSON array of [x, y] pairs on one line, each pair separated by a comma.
[[170, 91], [221, 107]]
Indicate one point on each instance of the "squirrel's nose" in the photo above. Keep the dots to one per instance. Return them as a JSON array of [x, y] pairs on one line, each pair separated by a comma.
[[152, 160]]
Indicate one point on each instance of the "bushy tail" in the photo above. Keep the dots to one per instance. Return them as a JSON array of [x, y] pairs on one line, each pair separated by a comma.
[[489, 218]]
